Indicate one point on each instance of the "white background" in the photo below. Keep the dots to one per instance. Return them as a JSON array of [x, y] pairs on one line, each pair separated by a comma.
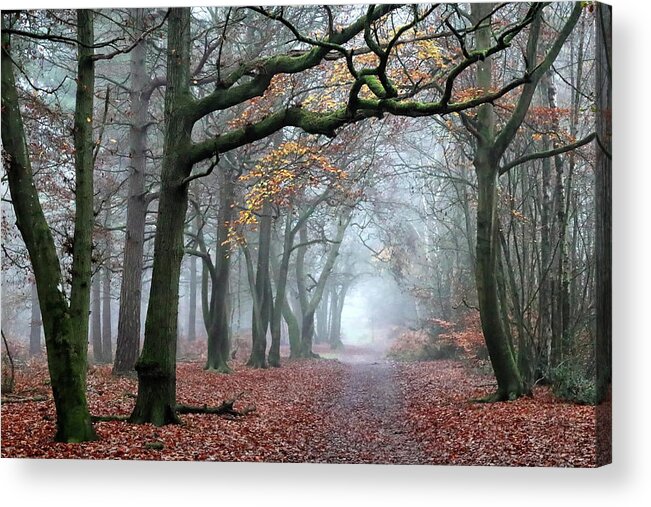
[[626, 482]]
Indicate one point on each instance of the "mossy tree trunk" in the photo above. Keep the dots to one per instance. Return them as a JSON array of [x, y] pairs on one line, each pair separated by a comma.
[[280, 307], [156, 366], [65, 323], [490, 146], [509, 382], [261, 289], [219, 338]]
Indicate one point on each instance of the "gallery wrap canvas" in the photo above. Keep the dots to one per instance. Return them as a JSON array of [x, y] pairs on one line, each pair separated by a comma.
[[344, 234]]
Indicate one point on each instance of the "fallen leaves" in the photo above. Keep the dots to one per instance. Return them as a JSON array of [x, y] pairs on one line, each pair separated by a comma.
[[538, 431], [369, 411]]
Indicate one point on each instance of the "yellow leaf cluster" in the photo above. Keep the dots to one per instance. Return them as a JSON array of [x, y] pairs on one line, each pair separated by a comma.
[[278, 176], [431, 51], [520, 217]]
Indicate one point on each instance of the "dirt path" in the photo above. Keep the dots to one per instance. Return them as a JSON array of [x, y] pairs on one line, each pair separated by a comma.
[[367, 422]]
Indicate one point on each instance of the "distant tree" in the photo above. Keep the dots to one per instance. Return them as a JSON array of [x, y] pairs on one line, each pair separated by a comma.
[[96, 319], [35, 325], [107, 345]]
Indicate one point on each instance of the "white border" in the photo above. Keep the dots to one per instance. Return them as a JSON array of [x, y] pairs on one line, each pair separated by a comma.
[[30, 482]]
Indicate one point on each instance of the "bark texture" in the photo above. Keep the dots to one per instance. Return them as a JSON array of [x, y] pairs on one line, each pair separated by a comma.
[[129, 318], [156, 366], [65, 323]]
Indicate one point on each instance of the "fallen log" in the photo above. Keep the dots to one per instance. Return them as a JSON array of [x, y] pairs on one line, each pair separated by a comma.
[[108, 418], [18, 399], [226, 408]]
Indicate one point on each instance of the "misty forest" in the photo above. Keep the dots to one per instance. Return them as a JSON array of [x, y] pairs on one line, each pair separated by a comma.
[[334, 234]]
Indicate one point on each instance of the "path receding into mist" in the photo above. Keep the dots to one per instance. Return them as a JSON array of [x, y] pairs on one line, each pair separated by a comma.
[[368, 421]]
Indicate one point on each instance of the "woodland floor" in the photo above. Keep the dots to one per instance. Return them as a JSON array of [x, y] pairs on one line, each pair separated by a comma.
[[358, 408]]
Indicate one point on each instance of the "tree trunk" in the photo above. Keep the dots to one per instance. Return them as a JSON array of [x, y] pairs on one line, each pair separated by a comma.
[[334, 329], [219, 331], [156, 366], [293, 330], [129, 326], [489, 151], [545, 273], [192, 310], [66, 326], [603, 201], [35, 325], [107, 346], [322, 315], [335, 320], [281, 292], [281, 307], [524, 353], [309, 305], [509, 383], [96, 319], [262, 311], [559, 276], [307, 334]]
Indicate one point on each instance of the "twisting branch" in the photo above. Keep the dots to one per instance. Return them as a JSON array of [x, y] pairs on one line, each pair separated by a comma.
[[221, 45], [548, 153], [75, 42], [503, 41], [98, 143], [60, 38], [331, 21], [325, 44], [207, 172], [128, 49], [29, 81]]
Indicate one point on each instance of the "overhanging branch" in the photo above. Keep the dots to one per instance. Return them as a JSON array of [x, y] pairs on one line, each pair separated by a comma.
[[547, 153]]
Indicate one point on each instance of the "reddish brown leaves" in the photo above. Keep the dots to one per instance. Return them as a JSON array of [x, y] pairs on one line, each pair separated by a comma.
[[319, 411], [538, 431], [287, 415]]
